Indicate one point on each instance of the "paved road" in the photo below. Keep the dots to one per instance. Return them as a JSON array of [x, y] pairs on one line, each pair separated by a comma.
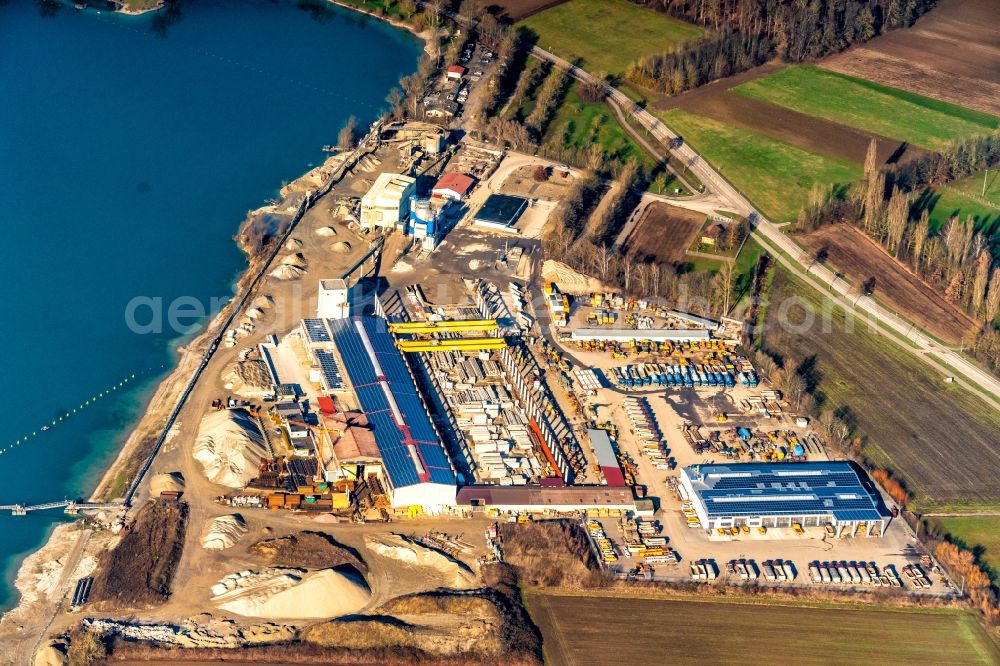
[[980, 381]]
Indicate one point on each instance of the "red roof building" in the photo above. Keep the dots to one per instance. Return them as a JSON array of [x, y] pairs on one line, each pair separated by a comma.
[[453, 186], [456, 72]]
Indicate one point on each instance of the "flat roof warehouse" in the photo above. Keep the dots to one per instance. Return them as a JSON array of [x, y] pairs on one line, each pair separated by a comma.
[[500, 211], [776, 495]]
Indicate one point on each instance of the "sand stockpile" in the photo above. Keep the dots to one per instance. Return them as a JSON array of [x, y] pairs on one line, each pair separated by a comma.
[[247, 378], [398, 547], [254, 313], [229, 447], [170, 482], [293, 244], [223, 532], [342, 247], [297, 259], [293, 594], [51, 654], [286, 272], [262, 302], [326, 232]]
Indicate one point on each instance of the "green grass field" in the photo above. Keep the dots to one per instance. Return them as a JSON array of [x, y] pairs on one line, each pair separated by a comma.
[[980, 534], [869, 106], [607, 34], [580, 124], [775, 175], [940, 439], [598, 630], [965, 197]]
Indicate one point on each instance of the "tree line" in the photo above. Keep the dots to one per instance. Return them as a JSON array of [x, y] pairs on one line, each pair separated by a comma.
[[747, 33], [892, 206]]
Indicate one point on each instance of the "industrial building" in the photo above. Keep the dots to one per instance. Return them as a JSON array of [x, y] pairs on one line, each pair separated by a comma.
[[453, 186], [810, 494], [563, 499], [415, 468], [386, 204], [604, 450], [500, 211], [637, 334]]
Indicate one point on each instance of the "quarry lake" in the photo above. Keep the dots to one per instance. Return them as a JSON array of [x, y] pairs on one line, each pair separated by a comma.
[[131, 149]]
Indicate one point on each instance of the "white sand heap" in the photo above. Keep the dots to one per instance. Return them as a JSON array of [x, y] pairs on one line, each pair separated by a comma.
[[223, 532], [286, 272], [326, 231], [229, 447], [297, 259], [292, 594], [170, 482], [293, 244], [398, 547], [342, 247], [262, 302], [255, 313]]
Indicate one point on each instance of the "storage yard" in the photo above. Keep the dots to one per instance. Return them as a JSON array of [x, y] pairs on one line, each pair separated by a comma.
[[464, 399]]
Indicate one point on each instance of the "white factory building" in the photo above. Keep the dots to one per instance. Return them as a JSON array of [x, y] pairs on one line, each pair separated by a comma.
[[386, 204]]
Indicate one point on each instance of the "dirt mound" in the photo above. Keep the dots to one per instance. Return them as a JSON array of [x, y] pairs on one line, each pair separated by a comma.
[[314, 550], [293, 244], [51, 654], [286, 272], [296, 259], [398, 547], [229, 447], [223, 532], [343, 247], [290, 593], [326, 232], [482, 626], [139, 570], [549, 553], [568, 279], [263, 302], [169, 482], [246, 377]]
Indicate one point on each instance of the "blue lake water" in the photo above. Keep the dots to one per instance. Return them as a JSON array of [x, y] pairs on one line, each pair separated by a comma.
[[130, 150]]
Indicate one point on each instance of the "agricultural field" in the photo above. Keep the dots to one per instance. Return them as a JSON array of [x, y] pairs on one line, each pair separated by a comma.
[[869, 106], [937, 437], [578, 125], [607, 35], [952, 54], [664, 233], [775, 175], [965, 197], [980, 534], [852, 253], [705, 631]]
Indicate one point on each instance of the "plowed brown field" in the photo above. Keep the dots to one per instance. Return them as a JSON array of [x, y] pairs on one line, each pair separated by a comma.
[[952, 53], [857, 257]]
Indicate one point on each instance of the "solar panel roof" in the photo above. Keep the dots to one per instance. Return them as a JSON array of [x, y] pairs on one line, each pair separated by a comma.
[[381, 410], [316, 330], [330, 369], [764, 489]]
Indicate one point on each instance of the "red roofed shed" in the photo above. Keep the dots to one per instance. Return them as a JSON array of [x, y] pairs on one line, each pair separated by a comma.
[[453, 186]]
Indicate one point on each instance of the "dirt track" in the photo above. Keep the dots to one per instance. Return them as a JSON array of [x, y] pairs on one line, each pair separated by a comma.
[[952, 53], [816, 135], [857, 257]]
